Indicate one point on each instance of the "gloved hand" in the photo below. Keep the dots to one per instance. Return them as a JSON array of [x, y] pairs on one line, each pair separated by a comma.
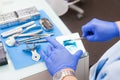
[[98, 30], [58, 57]]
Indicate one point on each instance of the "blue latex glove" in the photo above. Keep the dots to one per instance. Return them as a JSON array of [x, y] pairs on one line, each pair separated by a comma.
[[98, 30], [58, 57]]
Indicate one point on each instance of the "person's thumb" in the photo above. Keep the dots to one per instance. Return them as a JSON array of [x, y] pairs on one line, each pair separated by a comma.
[[78, 54], [90, 38]]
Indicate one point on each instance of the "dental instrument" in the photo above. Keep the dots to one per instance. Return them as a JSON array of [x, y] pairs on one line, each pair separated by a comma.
[[18, 17], [39, 36], [29, 28], [35, 54], [28, 34], [17, 29], [10, 41], [28, 14], [36, 41], [46, 24]]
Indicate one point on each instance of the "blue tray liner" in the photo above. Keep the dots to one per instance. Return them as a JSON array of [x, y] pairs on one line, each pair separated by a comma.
[[21, 59]]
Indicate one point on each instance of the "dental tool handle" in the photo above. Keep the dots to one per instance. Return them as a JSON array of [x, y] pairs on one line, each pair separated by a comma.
[[11, 32], [79, 38], [29, 34], [30, 27], [35, 55], [17, 29], [27, 24], [36, 37], [38, 41]]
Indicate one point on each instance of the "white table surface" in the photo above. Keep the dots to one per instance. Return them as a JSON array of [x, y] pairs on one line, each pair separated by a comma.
[[8, 72]]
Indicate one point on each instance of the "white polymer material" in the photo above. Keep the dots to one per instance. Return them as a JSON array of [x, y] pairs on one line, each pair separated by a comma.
[[35, 55], [8, 72]]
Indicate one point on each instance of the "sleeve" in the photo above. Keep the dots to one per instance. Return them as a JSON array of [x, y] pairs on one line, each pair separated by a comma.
[[110, 72], [92, 72]]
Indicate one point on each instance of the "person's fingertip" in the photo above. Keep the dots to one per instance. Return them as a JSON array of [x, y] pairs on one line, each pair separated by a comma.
[[79, 53], [90, 38], [83, 35], [47, 38]]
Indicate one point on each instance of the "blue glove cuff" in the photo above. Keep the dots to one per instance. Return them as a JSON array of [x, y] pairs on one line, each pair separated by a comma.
[[117, 30]]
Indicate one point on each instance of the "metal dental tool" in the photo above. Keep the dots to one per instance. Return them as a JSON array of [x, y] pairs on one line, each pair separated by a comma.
[[79, 38], [46, 24], [17, 17], [10, 41], [28, 34], [10, 32], [28, 28], [8, 19], [35, 55], [39, 36], [36, 41], [30, 13], [17, 29]]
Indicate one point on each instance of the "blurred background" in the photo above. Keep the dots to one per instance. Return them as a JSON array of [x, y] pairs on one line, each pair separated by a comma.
[[108, 10]]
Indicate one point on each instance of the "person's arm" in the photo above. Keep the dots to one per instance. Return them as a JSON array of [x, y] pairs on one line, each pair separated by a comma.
[[60, 62]]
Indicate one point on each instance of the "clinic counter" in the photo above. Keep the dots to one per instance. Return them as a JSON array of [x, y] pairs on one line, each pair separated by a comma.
[[37, 71]]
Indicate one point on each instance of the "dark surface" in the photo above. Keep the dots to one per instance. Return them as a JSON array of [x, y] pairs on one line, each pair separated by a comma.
[[108, 10], [3, 60]]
